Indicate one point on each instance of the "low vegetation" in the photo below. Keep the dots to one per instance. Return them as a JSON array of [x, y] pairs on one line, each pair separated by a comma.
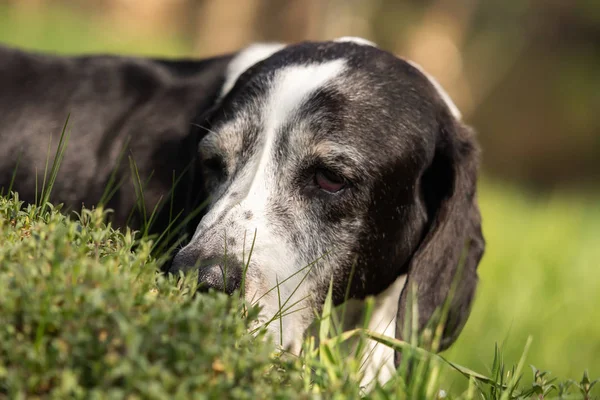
[[85, 314]]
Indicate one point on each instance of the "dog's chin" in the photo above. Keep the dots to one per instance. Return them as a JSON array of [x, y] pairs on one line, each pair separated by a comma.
[[284, 329], [290, 342]]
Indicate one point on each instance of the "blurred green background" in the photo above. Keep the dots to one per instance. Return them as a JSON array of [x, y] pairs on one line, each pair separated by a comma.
[[525, 74]]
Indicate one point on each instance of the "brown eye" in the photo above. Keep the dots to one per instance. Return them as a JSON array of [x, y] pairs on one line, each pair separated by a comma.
[[329, 181]]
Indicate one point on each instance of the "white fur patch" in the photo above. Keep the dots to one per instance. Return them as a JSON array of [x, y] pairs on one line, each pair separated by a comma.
[[443, 94], [291, 87], [355, 39], [378, 362], [256, 183], [245, 59]]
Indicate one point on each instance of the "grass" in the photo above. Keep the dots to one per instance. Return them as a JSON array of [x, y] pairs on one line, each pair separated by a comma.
[[85, 314], [68, 30], [540, 276]]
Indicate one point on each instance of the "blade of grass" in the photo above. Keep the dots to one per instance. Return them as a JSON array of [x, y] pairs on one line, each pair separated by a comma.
[[60, 153], [325, 323], [139, 192], [172, 201], [109, 190], [36, 187], [280, 313], [45, 172], [347, 293], [517, 374], [400, 345], [14, 174], [246, 263]]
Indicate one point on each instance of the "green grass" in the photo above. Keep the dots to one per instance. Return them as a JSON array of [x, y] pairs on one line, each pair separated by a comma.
[[85, 314], [540, 276], [69, 31]]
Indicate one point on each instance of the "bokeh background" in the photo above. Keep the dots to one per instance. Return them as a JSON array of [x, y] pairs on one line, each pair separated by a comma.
[[525, 74]]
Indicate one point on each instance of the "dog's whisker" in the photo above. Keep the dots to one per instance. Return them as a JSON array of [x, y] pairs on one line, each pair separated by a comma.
[[203, 127]]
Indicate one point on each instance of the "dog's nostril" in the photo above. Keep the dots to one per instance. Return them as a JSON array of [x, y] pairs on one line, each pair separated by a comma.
[[224, 275], [222, 278], [183, 261]]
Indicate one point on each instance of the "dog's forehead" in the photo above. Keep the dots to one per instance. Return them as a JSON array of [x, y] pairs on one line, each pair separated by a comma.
[[354, 94], [368, 65], [275, 96], [356, 55], [369, 75], [285, 81], [293, 85]]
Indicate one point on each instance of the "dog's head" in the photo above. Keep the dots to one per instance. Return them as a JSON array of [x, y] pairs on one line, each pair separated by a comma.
[[340, 162]]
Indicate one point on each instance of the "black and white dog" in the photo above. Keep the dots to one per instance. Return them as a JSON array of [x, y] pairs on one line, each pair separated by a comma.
[[322, 162]]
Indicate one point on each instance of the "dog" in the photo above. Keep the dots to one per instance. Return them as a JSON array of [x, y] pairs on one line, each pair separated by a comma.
[[322, 164], [339, 163]]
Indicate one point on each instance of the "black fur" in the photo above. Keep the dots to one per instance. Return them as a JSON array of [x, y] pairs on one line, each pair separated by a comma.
[[141, 107]]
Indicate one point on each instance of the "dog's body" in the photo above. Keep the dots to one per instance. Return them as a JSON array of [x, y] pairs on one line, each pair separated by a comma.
[[118, 107], [331, 162]]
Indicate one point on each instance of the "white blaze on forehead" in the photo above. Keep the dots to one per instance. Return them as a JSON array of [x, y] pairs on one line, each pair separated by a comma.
[[280, 265], [244, 60], [290, 88], [443, 94]]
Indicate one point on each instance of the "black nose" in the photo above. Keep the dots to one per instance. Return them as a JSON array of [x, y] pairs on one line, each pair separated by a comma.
[[222, 277], [218, 273]]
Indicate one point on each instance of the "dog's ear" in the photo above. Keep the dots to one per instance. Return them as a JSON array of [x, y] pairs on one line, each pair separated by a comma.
[[452, 246]]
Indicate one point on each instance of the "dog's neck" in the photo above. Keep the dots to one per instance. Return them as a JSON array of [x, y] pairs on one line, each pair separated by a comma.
[[378, 359], [377, 362]]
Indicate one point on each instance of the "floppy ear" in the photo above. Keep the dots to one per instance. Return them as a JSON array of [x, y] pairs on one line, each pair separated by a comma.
[[453, 245]]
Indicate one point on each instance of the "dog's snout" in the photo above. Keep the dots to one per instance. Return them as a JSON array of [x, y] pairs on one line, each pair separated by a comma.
[[218, 273], [184, 261], [225, 277]]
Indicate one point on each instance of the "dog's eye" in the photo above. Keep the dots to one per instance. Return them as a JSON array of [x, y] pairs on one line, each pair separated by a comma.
[[215, 164], [329, 181]]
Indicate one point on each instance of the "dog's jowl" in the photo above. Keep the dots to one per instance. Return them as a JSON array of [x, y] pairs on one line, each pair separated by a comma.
[[336, 160]]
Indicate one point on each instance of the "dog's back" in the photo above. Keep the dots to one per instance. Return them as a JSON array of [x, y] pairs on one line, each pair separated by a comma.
[[138, 108]]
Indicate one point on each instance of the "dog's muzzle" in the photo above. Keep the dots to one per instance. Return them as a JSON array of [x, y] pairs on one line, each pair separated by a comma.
[[218, 273]]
